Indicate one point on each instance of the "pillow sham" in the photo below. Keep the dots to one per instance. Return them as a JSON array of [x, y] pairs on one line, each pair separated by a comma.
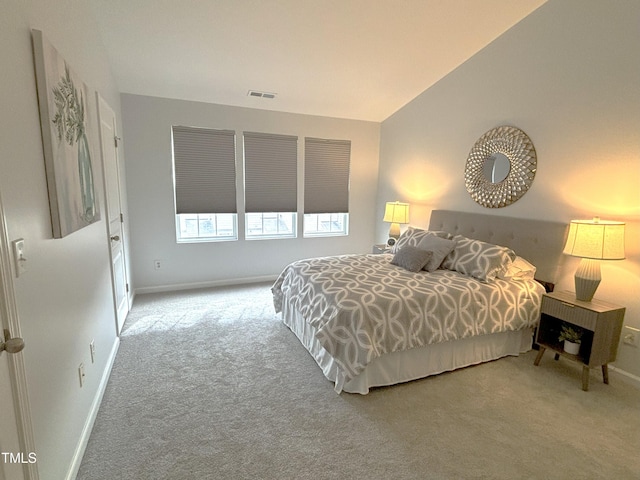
[[520, 269], [478, 259], [411, 258], [412, 235], [441, 247]]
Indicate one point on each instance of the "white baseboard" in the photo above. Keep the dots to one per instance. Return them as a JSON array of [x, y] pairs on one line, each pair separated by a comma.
[[626, 376], [131, 298], [216, 283], [93, 412]]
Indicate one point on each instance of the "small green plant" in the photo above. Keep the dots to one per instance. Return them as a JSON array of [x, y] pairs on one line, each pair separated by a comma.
[[570, 334]]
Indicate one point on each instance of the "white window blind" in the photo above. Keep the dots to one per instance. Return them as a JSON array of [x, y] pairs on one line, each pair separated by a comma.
[[204, 170], [270, 172], [326, 175]]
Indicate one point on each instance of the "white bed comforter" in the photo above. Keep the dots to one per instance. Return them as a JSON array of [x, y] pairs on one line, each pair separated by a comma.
[[363, 307]]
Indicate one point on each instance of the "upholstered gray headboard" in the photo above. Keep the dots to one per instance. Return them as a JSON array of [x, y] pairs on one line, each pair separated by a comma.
[[538, 241]]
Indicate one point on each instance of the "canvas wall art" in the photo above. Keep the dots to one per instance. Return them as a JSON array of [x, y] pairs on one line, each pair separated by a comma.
[[67, 138]]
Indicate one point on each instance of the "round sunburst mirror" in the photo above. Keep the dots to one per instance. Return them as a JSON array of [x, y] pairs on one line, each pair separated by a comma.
[[501, 167]]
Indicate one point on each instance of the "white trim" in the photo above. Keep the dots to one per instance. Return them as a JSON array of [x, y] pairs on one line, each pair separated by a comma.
[[93, 413], [627, 377], [216, 283], [17, 371]]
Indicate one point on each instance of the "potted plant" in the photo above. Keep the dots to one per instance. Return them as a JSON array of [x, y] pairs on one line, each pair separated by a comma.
[[571, 338]]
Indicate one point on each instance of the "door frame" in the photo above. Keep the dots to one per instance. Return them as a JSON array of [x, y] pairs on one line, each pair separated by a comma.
[[17, 371]]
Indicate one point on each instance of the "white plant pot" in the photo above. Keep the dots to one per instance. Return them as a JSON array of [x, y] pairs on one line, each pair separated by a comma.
[[572, 348]]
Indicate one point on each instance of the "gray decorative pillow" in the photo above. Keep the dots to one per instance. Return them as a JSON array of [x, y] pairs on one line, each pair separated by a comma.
[[412, 236], [481, 260], [441, 247], [411, 258]]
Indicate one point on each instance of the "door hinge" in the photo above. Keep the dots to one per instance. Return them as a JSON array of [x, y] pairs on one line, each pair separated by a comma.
[[116, 140], [121, 218], [127, 288]]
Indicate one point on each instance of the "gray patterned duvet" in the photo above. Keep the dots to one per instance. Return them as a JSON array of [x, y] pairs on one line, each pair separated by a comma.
[[363, 307]]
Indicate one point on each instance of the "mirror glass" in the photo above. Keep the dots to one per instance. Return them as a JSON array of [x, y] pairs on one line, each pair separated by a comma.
[[496, 167]]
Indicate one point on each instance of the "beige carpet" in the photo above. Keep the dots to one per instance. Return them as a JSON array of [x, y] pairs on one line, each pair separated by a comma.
[[209, 384]]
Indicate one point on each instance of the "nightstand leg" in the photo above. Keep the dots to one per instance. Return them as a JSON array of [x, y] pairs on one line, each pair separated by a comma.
[[585, 378], [539, 356], [605, 373]]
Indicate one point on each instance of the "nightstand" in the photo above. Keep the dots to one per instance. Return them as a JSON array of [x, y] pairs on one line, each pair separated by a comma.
[[381, 248], [600, 322]]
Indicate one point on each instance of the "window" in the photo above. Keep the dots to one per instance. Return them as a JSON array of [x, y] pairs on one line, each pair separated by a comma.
[[326, 187], [204, 167], [325, 224], [271, 225], [207, 226], [270, 185]]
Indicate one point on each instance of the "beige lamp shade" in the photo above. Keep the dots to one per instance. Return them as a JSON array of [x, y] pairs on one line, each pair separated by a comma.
[[593, 240], [396, 213], [597, 239]]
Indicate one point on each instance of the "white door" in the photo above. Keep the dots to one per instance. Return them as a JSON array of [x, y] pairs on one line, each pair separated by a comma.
[[110, 165]]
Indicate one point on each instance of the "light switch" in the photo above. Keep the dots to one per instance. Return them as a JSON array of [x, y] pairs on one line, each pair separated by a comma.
[[19, 256]]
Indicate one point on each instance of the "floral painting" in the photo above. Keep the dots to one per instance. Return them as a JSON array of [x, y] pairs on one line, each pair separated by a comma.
[[67, 138]]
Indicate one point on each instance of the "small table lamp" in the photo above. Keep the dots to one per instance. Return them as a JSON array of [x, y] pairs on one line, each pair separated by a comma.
[[396, 213], [593, 240]]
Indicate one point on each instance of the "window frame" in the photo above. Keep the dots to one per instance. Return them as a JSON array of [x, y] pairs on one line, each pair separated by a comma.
[[267, 236], [332, 233], [205, 238]]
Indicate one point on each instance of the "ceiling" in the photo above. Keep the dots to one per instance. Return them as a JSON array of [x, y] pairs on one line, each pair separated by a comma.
[[357, 59]]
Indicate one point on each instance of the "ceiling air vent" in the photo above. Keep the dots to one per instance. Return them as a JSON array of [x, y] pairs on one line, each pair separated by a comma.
[[256, 93]]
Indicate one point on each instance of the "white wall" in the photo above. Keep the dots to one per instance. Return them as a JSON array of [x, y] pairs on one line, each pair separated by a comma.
[[64, 300], [569, 76], [147, 143]]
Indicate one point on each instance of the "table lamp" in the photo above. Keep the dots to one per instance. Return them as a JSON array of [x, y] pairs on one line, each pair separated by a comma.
[[593, 240], [396, 213]]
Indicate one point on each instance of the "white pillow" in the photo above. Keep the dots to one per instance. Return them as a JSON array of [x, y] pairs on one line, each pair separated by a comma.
[[519, 269]]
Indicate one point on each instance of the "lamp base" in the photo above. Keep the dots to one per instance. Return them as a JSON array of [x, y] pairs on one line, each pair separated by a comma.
[[587, 279], [394, 230]]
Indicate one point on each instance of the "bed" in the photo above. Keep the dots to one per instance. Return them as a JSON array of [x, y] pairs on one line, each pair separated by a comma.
[[466, 289]]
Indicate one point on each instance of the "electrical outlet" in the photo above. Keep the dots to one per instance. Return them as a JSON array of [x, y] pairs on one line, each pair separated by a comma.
[[92, 349], [157, 264], [81, 374], [631, 336]]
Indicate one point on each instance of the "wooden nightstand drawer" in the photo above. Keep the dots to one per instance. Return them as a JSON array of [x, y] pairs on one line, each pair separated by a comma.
[[570, 313]]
